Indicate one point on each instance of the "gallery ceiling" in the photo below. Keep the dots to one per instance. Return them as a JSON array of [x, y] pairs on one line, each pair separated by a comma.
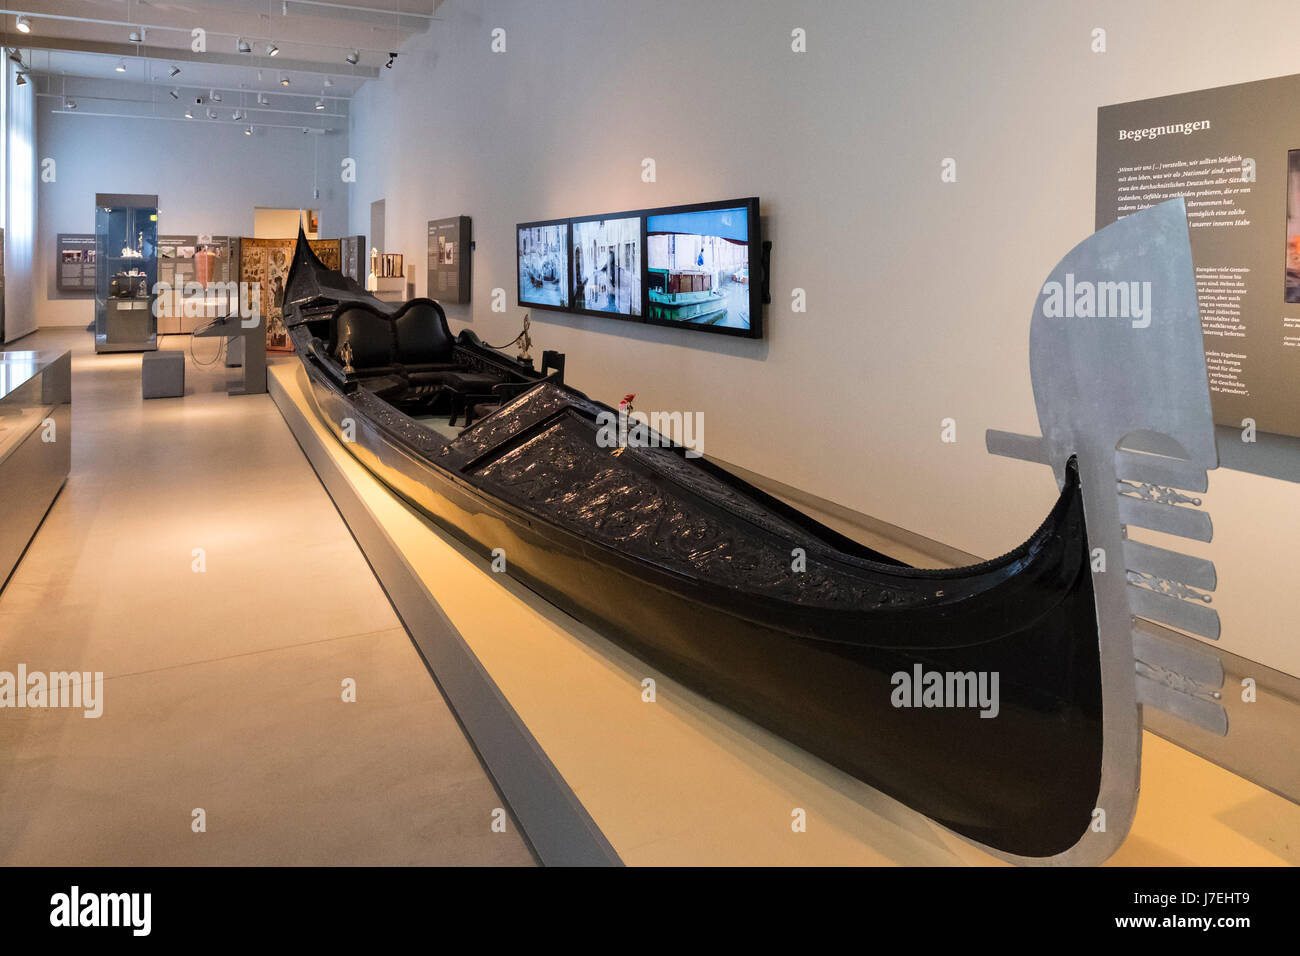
[[143, 57]]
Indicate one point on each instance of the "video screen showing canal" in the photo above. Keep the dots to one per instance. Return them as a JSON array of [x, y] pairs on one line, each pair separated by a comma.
[[607, 265], [697, 267], [544, 265]]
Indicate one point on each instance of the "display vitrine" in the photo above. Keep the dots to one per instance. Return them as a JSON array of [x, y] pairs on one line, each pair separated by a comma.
[[126, 249], [35, 444]]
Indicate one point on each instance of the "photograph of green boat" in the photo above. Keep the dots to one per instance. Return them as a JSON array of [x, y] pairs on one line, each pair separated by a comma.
[[698, 267]]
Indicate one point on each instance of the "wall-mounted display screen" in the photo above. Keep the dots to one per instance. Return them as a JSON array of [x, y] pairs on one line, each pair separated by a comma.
[[698, 268], [543, 251], [607, 266], [686, 266]]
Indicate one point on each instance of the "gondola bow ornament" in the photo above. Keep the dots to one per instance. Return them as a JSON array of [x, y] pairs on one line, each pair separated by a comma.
[[1119, 378]]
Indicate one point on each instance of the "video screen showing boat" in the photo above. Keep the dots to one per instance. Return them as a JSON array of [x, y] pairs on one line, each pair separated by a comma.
[[544, 265], [607, 265], [698, 267]]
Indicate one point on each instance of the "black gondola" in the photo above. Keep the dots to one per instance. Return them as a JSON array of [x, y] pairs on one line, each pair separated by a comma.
[[872, 665]]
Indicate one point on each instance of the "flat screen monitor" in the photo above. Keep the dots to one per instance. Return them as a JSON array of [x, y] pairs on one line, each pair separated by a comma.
[[700, 261], [607, 266], [543, 250]]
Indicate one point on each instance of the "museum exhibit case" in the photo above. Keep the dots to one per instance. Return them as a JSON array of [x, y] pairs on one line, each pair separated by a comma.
[[773, 614], [126, 276], [35, 443]]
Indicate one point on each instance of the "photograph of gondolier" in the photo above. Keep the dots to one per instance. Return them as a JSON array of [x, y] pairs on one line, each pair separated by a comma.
[[607, 265]]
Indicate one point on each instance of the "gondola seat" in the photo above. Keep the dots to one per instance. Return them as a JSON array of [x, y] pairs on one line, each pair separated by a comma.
[[423, 342], [415, 347], [369, 334]]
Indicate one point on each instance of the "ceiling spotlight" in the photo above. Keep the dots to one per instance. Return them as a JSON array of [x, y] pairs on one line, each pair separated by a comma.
[[174, 94], [237, 116], [284, 80], [248, 131], [320, 104], [354, 57], [22, 79], [174, 71], [121, 66], [16, 56], [24, 25], [304, 129], [391, 58], [212, 114], [214, 96], [328, 81], [242, 46], [136, 36], [263, 100], [69, 104], [189, 114], [272, 50]]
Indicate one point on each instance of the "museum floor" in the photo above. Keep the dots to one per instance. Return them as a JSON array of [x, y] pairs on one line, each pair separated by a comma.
[[222, 689]]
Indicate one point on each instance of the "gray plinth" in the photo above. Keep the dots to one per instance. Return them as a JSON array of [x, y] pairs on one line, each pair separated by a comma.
[[163, 374]]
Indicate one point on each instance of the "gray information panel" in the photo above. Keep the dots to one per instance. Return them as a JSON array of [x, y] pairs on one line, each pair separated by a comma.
[[179, 259], [74, 257], [1233, 154], [449, 276], [353, 254]]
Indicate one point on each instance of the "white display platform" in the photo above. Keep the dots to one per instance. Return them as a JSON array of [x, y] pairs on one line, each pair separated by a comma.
[[595, 775]]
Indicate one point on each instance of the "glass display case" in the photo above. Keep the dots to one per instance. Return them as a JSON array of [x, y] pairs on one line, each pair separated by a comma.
[[35, 444], [126, 247]]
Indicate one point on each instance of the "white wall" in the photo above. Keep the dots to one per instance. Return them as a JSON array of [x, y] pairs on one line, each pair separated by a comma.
[[207, 176], [919, 292], [277, 223], [18, 170]]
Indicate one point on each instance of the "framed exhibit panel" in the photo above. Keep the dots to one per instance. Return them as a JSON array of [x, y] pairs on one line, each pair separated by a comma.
[[74, 255], [700, 266], [542, 255], [699, 260], [1233, 154], [266, 263], [353, 252], [448, 265], [608, 265]]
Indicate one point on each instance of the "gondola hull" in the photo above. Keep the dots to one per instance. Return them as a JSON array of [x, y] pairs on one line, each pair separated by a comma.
[[661, 555]]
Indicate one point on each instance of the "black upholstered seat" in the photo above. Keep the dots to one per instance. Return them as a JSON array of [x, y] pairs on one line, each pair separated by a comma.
[[370, 335], [424, 342], [409, 358]]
